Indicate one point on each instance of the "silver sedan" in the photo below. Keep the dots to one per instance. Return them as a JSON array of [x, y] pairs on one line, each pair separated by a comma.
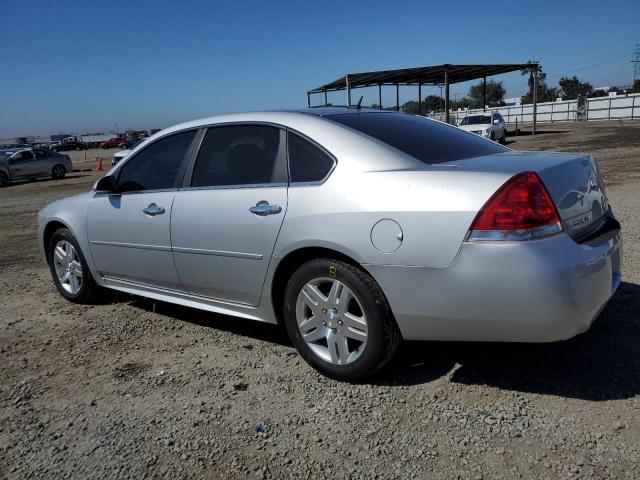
[[30, 163], [353, 228]]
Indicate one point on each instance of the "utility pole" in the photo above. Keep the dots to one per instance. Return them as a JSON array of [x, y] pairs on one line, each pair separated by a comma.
[[636, 63]]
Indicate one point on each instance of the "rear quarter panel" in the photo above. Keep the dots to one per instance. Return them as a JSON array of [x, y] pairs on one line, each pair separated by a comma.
[[434, 208]]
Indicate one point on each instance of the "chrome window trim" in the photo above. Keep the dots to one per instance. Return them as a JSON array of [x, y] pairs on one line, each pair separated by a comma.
[[97, 193], [239, 186]]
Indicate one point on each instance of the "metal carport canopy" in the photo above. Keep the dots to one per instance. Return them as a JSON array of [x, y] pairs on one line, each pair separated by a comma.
[[445, 74]]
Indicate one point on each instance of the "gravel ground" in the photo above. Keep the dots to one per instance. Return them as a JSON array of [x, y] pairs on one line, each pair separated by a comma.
[[136, 388]]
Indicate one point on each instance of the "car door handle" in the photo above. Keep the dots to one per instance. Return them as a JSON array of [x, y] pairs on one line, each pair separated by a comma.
[[153, 210], [264, 208]]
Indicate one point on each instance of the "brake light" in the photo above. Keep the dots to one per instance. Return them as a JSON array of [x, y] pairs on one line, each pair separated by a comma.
[[521, 209]]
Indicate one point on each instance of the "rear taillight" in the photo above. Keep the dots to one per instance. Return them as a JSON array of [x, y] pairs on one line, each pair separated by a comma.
[[521, 209]]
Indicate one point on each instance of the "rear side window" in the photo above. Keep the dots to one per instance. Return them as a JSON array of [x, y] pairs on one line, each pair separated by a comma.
[[429, 141], [156, 167], [307, 163], [239, 155]]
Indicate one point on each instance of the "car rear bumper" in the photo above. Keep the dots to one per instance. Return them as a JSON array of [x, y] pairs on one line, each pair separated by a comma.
[[537, 291]]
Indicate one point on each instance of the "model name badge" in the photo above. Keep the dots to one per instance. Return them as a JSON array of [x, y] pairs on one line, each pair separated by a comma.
[[575, 222]]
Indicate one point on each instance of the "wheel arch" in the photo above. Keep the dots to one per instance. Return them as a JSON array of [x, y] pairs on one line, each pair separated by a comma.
[[290, 263], [49, 229]]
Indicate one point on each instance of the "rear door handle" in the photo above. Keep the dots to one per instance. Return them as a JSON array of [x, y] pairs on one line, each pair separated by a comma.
[[153, 210], [264, 208]]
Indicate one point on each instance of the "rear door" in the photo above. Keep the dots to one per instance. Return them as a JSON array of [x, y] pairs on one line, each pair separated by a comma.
[[225, 222], [130, 231], [43, 161]]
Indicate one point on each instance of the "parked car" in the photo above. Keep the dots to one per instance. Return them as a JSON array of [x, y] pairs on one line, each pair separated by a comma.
[[123, 153], [72, 145], [53, 145], [489, 125], [30, 163], [354, 228], [115, 143]]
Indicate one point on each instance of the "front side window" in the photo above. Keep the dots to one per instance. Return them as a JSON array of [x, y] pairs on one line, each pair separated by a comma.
[[307, 163], [41, 153], [156, 167], [425, 140], [26, 155], [239, 155]]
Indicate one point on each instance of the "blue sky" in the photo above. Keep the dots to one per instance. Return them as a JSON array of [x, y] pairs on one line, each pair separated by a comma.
[[72, 66]]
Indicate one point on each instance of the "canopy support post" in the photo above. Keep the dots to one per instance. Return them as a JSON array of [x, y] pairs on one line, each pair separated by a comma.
[[446, 94], [484, 94], [419, 98], [535, 99], [397, 97], [308, 100], [325, 99], [346, 78], [379, 96]]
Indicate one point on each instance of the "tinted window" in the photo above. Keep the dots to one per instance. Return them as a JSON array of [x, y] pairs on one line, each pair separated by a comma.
[[239, 155], [426, 140], [157, 166], [26, 155], [307, 163]]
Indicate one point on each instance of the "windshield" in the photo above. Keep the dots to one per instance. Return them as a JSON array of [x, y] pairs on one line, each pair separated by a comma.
[[476, 120], [6, 154], [426, 140]]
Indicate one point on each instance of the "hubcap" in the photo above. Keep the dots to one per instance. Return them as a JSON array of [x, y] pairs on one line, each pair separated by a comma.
[[331, 321], [68, 267]]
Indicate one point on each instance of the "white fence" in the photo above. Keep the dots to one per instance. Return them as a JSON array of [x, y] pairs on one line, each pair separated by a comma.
[[602, 108]]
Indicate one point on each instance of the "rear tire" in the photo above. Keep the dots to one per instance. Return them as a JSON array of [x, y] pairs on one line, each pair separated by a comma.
[[66, 258], [503, 140], [3, 179], [58, 172], [350, 333]]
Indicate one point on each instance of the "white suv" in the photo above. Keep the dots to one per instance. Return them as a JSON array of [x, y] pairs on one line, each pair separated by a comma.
[[488, 125]]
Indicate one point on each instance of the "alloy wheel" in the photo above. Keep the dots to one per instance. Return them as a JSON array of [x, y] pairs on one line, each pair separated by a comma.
[[331, 320], [68, 267]]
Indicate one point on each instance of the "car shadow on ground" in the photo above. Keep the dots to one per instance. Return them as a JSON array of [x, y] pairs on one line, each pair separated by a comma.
[[601, 364], [239, 326], [44, 180]]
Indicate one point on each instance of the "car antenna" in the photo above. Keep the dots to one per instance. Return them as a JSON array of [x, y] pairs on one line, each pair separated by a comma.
[[359, 103]]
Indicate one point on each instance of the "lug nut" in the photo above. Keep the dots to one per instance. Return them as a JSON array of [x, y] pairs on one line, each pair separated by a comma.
[[339, 322], [335, 310], [334, 330], [324, 310], [324, 323]]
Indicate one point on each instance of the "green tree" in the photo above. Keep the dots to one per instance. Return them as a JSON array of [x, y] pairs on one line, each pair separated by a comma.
[[495, 94], [545, 93], [571, 88]]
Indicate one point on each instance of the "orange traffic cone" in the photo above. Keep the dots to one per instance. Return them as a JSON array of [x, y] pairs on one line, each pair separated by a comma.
[[99, 164]]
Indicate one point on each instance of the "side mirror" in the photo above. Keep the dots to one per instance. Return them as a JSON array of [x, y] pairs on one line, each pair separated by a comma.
[[496, 121], [107, 184]]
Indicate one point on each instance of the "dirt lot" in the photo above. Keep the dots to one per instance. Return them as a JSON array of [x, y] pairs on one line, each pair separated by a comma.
[[137, 388]]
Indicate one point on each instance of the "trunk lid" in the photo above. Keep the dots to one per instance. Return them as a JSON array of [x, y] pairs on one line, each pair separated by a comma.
[[572, 180]]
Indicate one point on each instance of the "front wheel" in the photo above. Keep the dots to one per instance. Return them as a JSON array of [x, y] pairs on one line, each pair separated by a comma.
[[339, 320], [3, 179], [69, 269], [58, 172]]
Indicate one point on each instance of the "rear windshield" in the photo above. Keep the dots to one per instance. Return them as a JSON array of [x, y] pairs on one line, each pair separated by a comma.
[[426, 140], [476, 120]]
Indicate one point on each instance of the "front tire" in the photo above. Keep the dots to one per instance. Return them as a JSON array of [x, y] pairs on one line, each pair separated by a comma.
[[339, 320], [3, 179], [69, 269], [58, 172]]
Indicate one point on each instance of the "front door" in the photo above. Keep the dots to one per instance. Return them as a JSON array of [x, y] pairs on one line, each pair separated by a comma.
[[24, 165], [130, 232], [225, 224]]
